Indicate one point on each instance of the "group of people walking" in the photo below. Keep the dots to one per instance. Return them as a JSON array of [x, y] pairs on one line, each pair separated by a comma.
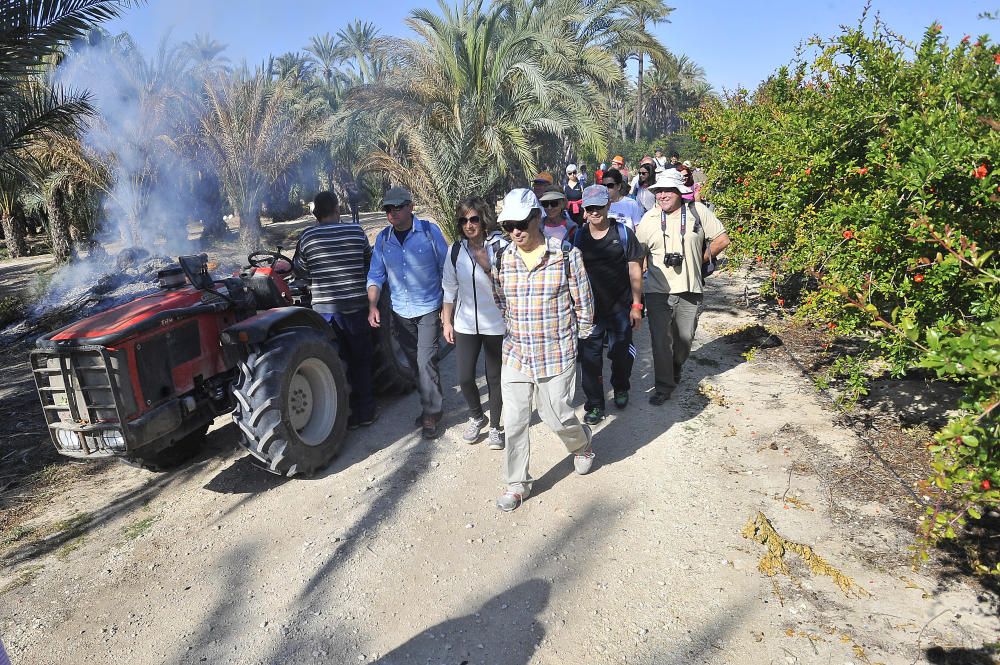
[[548, 295]]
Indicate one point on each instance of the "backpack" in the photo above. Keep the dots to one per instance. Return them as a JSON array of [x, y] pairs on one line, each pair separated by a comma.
[[383, 236]]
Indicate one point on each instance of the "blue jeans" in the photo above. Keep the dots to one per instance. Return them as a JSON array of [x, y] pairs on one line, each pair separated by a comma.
[[355, 337], [618, 330]]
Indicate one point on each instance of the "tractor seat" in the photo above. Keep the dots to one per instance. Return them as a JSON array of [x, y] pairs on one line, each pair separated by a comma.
[[265, 292]]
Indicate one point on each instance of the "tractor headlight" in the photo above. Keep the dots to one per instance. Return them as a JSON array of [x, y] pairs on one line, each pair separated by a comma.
[[114, 439], [68, 439]]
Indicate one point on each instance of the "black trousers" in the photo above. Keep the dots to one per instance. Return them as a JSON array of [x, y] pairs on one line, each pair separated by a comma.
[[467, 349], [618, 330]]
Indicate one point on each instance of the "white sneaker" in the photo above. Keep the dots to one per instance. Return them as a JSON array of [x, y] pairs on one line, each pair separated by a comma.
[[582, 462], [473, 427], [496, 439], [513, 497]]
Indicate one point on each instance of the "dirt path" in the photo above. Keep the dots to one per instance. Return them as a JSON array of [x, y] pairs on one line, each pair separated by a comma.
[[397, 554]]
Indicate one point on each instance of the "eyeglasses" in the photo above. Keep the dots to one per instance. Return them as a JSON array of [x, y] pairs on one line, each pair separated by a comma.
[[554, 203], [520, 225], [611, 185], [593, 210], [471, 219], [392, 208]]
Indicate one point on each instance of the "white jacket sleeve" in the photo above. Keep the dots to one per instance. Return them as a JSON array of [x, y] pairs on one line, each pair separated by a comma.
[[449, 280]]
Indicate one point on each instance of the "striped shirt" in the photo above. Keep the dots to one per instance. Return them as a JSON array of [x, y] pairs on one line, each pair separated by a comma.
[[334, 258], [546, 308]]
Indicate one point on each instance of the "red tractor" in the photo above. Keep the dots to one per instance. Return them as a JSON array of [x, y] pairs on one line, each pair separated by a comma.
[[144, 380]]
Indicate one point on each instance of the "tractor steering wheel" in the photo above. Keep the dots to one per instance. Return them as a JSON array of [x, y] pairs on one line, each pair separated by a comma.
[[271, 260]]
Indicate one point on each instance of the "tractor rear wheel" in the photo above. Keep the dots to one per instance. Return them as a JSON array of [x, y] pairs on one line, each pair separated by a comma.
[[292, 402]]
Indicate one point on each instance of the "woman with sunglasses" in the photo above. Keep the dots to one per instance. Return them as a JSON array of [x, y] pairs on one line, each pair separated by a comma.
[[556, 222], [573, 190], [470, 317], [640, 185]]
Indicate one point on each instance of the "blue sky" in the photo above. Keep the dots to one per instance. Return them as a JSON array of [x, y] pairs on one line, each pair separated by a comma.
[[737, 42]]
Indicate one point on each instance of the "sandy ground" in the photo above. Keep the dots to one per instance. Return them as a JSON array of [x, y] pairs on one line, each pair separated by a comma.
[[396, 553]]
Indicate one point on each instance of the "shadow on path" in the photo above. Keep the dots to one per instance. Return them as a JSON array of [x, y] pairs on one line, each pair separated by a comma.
[[505, 629]]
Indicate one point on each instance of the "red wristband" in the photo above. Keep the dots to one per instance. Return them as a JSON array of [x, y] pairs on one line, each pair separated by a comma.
[[637, 305]]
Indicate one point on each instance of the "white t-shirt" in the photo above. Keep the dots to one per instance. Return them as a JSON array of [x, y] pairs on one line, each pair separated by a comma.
[[627, 211]]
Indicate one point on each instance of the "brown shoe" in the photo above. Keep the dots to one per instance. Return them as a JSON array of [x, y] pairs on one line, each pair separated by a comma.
[[419, 420], [431, 427]]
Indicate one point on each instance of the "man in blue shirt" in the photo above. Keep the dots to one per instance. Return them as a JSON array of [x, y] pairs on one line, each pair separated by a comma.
[[410, 253]]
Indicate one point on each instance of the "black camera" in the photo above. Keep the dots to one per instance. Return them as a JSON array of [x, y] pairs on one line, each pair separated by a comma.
[[673, 259]]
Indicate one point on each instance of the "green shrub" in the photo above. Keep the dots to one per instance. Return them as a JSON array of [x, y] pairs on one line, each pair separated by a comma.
[[868, 175]]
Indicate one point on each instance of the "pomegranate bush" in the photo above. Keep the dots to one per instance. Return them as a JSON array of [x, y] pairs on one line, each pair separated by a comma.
[[865, 179]]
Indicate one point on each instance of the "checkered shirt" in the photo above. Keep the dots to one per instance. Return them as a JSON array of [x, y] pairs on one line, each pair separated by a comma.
[[545, 309]]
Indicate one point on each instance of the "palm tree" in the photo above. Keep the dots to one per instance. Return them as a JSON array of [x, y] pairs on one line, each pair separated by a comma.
[[205, 55], [672, 89], [294, 66], [360, 45], [323, 51], [33, 30], [643, 11], [11, 186], [254, 131], [464, 104]]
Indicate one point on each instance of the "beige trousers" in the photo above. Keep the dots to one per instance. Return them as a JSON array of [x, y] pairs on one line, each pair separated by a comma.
[[552, 396]]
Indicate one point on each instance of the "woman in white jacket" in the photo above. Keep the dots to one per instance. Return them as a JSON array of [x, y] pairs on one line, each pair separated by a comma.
[[470, 318]]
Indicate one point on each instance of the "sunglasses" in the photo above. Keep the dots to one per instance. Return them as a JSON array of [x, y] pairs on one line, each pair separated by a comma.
[[552, 204], [471, 219], [643, 172], [392, 208], [611, 185], [593, 210], [520, 225], [570, 172]]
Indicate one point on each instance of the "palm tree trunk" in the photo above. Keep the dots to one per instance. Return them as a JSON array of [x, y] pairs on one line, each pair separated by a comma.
[[58, 223], [250, 227], [638, 102], [13, 232]]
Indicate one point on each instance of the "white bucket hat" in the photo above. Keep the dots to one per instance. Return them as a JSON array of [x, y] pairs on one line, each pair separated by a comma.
[[670, 179]]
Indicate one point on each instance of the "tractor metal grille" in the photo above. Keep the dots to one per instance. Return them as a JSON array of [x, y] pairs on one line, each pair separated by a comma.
[[81, 400]]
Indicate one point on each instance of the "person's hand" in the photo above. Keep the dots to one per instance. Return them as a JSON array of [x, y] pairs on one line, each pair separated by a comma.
[[448, 330], [635, 318], [707, 256], [374, 318]]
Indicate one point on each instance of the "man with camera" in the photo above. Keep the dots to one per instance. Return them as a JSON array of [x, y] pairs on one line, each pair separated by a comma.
[[680, 239]]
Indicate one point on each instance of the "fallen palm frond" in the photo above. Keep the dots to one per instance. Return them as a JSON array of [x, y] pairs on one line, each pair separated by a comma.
[[760, 530]]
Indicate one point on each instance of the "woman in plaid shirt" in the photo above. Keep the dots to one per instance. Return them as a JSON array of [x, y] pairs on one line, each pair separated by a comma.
[[541, 287]]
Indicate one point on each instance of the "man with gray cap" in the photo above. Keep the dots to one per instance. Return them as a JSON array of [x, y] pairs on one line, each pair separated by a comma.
[[541, 287], [612, 256], [678, 239], [410, 254]]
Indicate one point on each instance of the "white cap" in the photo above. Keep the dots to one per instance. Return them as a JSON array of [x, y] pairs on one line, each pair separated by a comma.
[[517, 205], [670, 179], [570, 168], [687, 163]]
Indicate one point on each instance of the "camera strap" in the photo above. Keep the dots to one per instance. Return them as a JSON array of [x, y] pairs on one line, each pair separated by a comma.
[[663, 228]]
